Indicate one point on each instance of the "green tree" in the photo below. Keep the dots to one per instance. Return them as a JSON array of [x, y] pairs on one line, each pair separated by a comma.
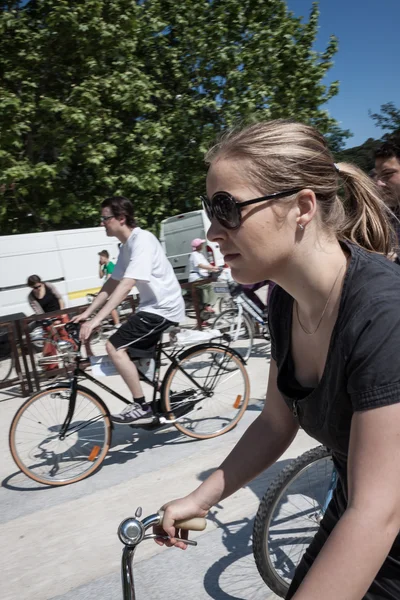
[[388, 118], [115, 96]]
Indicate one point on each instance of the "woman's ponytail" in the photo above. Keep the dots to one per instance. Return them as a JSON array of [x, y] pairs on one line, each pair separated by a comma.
[[366, 220]]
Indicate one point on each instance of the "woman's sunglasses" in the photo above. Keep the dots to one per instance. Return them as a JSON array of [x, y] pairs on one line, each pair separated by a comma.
[[228, 211]]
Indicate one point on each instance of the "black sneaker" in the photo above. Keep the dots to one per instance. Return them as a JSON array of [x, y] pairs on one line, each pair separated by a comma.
[[133, 412]]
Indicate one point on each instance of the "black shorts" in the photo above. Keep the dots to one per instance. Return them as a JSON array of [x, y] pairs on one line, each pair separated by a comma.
[[140, 334]]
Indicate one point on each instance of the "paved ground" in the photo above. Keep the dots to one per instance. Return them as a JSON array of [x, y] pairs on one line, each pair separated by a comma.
[[61, 543]]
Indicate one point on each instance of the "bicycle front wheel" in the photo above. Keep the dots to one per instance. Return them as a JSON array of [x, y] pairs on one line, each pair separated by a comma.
[[45, 456], [207, 390], [240, 330], [289, 516]]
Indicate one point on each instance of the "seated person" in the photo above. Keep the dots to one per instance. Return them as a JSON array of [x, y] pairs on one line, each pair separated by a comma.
[[200, 268]]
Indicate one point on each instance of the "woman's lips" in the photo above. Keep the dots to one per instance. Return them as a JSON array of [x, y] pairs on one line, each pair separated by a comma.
[[230, 257]]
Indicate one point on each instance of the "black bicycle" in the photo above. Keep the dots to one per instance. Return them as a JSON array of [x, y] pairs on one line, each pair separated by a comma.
[[62, 434]]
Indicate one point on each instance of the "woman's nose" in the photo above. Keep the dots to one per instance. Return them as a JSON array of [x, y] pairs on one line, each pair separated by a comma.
[[216, 231]]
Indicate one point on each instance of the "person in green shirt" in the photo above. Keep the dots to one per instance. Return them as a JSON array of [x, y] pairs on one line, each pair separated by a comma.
[[106, 267]]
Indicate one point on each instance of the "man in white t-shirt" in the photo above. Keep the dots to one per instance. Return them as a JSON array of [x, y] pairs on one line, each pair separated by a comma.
[[141, 262], [200, 268]]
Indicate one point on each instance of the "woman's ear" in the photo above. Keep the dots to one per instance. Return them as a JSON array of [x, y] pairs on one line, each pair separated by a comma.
[[306, 201]]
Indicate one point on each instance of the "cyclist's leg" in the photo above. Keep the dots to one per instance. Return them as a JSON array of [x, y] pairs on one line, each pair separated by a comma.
[[136, 338], [209, 297]]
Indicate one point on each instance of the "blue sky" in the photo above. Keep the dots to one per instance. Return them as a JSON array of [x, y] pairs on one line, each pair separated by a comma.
[[367, 63]]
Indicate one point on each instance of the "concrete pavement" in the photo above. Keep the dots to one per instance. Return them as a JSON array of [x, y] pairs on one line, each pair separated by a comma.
[[61, 543]]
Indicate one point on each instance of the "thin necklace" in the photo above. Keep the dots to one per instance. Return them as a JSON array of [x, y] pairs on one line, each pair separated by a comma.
[[323, 312]]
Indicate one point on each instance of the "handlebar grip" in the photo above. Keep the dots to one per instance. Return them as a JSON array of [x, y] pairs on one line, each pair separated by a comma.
[[195, 524]]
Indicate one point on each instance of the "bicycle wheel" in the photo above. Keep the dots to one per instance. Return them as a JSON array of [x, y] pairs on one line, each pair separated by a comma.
[[225, 303], [6, 358], [240, 330], [6, 366], [36, 446], [289, 515], [207, 390]]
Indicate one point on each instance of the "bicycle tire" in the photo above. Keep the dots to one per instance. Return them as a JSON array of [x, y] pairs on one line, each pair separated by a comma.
[[92, 453], [227, 322], [6, 366], [198, 415], [267, 549]]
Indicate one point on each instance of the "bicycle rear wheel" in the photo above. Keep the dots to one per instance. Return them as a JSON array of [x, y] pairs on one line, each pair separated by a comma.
[[289, 515], [240, 330], [35, 442], [207, 390]]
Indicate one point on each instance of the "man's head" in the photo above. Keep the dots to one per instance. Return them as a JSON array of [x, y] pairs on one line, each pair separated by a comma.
[[117, 215], [104, 257], [387, 164], [197, 244]]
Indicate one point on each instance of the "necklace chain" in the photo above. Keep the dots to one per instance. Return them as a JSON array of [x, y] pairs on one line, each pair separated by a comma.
[[323, 312]]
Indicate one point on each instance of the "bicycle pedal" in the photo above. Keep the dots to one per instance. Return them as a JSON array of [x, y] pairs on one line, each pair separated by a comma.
[[167, 420]]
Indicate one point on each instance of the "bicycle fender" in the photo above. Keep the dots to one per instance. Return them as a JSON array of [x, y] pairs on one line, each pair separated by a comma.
[[207, 345]]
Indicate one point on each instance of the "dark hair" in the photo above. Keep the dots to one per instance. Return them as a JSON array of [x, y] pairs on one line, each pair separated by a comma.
[[104, 253], [33, 280], [389, 148], [284, 154], [120, 207]]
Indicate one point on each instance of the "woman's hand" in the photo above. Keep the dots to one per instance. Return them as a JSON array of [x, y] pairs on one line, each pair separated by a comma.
[[177, 510]]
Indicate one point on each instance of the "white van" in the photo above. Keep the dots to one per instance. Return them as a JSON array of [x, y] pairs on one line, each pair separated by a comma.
[[68, 259], [176, 234]]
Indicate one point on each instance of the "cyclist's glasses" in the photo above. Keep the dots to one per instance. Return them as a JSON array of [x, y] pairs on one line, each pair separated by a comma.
[[103, 219], [228, 211], [37, 287]]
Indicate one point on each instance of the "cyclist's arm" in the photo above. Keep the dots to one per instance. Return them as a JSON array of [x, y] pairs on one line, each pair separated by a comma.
[[262, 444], [121, 290], [361, 540], [34, 304]]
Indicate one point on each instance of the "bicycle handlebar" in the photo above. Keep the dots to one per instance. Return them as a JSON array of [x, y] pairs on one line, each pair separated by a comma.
[[132, 530], [195, 524]]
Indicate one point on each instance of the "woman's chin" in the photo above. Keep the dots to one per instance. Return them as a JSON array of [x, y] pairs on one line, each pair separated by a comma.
[[243, 277]]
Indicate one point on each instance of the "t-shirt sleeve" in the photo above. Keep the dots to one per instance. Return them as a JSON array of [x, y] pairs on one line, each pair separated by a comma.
[[109, 268], [141, 259], [371, 346]]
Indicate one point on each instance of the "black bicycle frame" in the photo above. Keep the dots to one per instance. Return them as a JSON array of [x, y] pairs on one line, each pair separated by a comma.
[[80, 372]]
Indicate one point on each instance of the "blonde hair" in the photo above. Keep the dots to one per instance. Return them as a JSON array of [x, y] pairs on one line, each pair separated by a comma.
[[282, 155]]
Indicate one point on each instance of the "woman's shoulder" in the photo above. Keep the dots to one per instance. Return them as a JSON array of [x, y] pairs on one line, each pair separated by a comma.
[[371, 278]]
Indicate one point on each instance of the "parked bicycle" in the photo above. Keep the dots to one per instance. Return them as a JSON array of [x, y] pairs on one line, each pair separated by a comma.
[[240, 321], [62, 434], [289, 516], [49, 347], [132, 532]]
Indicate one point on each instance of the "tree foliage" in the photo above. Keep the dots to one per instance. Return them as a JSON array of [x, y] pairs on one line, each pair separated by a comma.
[[101, 97], [388, 118]]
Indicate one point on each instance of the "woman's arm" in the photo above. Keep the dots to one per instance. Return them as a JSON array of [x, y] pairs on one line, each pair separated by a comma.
[[34, 304], [360, 542], [262, 444]]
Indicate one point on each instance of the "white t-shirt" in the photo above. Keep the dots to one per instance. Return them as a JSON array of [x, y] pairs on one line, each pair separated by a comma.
[[143, 259], [196, 259]]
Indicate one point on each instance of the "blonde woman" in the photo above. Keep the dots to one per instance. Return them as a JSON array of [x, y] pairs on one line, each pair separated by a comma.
[[272, 197]]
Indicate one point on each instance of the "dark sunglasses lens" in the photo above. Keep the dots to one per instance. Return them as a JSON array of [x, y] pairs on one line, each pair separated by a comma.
[[226, 210]]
